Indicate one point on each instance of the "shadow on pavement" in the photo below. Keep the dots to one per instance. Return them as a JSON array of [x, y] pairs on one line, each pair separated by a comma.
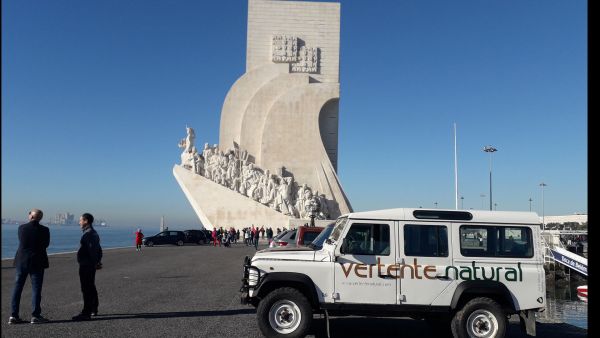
[[110, 316], [157, 315]]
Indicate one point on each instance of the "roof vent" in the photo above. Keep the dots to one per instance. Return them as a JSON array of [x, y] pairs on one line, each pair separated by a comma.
[[446, 215]]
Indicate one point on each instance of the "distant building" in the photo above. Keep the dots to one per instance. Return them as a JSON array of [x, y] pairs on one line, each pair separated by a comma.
[[64, 219], [575, 218]]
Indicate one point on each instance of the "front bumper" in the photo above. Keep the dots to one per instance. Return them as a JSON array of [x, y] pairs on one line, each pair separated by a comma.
[[250, 281]]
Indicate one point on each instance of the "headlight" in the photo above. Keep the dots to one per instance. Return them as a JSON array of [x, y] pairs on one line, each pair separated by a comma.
[[253, 276]]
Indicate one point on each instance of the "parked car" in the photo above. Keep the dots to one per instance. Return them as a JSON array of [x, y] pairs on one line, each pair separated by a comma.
[[277, 237], [165, 237], [195, 236], [301, 236]]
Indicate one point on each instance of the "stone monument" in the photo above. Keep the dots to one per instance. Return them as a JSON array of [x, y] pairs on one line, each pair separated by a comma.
[[276, 161]]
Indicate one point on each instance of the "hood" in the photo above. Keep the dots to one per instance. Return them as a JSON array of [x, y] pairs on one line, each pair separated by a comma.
[[287, 248], [292, 254]]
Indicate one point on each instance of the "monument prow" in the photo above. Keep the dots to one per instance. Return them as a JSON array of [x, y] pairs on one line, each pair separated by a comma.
[[277, 156]]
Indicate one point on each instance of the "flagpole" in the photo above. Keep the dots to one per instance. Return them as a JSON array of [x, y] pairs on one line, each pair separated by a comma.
[[455, 171]]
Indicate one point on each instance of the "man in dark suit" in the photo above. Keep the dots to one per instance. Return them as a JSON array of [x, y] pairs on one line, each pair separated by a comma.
[[31, 259], [89, 258]]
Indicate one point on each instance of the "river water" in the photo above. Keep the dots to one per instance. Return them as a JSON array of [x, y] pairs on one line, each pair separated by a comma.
[[563, 304]]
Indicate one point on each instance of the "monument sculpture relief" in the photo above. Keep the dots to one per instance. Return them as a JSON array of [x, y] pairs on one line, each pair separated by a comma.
[[232, 170], [277, 155]]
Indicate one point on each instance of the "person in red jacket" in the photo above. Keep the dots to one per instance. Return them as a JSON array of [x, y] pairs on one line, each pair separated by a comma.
[[138, 240], [215, 237]]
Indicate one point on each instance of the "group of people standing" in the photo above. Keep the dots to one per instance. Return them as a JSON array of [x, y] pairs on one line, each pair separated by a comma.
[[31, 260], [251, 235]]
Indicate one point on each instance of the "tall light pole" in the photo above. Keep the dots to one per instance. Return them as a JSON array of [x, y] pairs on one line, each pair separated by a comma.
[[530, 203], [490, 149], [462, 202], [543, 185], [482, 197]]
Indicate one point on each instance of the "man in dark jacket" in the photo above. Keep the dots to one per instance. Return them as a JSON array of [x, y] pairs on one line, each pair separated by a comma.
[[89, 258], [31, 259]]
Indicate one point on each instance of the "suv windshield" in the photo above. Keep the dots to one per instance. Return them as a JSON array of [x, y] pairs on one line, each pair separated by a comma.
[[339, 226], [317, 243]]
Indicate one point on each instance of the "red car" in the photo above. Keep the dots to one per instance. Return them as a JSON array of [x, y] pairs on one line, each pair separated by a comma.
[[301, 236]]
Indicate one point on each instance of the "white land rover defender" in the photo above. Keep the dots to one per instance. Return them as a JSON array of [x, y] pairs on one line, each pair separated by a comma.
[[469, 270]]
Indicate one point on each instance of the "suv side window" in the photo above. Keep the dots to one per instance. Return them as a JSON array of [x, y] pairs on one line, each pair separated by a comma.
[[496, 241], [367, 239], [426, 240]]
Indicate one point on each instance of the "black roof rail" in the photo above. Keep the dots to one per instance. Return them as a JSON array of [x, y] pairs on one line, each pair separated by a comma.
[[443, 214]]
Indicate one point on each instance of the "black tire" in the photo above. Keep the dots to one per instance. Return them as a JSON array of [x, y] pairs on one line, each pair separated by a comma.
[[149, 243], [480, 317], [200, 242], [179, 242], [285, 312]]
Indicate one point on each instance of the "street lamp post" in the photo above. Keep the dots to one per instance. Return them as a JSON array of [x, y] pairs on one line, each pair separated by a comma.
[[543, 223], [482, 200], [495, 206], [530, 203], [490, 149], [462, 202], [435, 204]]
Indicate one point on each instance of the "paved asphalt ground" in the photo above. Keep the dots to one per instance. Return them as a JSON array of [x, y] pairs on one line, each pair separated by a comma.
[[189, 291]]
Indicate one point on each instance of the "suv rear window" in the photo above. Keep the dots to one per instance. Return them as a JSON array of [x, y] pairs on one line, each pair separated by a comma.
[[496, 241]]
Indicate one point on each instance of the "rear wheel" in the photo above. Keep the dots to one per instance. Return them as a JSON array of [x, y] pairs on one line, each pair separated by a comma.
[[200, 242], [180, 242], [149, 243], [284, 312], [480, 318]]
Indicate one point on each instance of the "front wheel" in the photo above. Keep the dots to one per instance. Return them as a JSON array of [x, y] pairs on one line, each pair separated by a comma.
[[285, 312], [149, 243], [480, 318], [179, 242]]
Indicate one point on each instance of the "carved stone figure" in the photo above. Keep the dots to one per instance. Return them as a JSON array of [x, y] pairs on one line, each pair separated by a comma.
[[323, 208], [189, 139], [312, 206]]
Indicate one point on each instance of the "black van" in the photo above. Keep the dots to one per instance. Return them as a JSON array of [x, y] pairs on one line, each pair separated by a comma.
[[195, 236], [165, 237]]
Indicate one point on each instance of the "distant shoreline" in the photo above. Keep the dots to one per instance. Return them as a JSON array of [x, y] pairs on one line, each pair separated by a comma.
[[70, 252]]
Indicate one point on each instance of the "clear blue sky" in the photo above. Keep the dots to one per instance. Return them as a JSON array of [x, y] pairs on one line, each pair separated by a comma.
[[96, 95]]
